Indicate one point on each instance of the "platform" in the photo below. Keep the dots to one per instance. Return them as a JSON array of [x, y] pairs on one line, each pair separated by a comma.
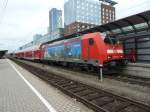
[[21, 91], [146, 65], [138, 69]]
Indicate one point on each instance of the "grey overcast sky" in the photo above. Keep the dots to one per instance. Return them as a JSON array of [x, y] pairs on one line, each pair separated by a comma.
[[21, 19]]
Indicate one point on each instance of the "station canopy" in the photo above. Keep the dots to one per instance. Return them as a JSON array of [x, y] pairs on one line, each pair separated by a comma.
[[2, 53], [132, 24]]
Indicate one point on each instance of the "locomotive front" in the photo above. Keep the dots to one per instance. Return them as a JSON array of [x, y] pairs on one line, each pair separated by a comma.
[[114, 51]]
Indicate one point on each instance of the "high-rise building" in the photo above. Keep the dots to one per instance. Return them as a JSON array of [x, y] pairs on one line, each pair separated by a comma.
[[84, 14], [84, 11], [107, 11], [55, 19]]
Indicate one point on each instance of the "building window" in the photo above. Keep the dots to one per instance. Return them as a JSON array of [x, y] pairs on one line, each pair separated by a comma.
[[83, 26], [106, 14], [103, 9]]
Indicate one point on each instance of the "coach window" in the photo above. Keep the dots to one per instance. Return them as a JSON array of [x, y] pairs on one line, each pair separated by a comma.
[[91, 41]]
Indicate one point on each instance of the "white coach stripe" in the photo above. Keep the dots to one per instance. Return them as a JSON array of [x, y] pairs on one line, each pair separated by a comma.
[[44, 101]]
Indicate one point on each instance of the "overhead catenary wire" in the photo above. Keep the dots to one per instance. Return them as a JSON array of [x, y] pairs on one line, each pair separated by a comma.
[[6, 4], [3, 10]]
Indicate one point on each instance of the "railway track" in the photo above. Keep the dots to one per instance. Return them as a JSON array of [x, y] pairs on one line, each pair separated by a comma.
[[96, 99], [115, 76], [131, 79]]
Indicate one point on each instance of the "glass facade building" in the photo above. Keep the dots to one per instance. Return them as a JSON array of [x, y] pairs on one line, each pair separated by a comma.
[[57, 34], [84, 11], [55, 19]]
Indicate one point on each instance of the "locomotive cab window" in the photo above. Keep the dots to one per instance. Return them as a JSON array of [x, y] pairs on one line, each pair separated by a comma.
[[91, 41], [110, 40]]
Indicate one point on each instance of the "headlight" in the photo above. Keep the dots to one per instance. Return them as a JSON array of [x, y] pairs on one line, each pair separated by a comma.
[[120, 51], [110, 51], [109, 57]]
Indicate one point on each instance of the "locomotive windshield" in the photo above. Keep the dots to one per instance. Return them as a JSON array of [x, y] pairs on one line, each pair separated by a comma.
[[110, 40]]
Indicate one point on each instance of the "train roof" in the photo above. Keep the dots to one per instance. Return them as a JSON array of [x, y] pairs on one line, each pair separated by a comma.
[[33, 48]]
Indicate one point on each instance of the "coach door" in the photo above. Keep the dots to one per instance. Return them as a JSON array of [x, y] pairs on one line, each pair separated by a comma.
[[86, 48]]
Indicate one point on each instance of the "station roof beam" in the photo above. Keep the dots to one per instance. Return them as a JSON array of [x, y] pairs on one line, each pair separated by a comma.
[[145, 19], [130, 24]]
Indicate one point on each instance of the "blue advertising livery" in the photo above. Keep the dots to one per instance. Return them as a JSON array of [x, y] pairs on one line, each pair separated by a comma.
[[69, 49]]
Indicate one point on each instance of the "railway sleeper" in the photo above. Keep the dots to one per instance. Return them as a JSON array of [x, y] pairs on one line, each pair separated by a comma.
[[84, 93], [93, 96], [78, 90]]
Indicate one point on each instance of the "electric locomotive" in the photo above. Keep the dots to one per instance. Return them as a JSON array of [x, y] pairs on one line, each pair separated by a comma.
[[94, 49]]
